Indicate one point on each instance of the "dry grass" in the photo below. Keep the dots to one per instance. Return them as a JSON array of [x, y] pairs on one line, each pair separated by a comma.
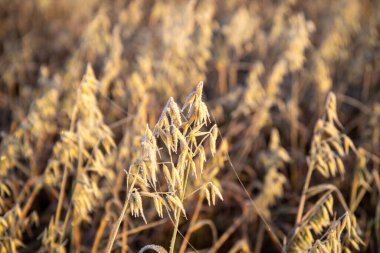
[[108, 144]]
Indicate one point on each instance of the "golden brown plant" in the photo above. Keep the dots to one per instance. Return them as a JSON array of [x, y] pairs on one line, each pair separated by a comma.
[[87, 155]]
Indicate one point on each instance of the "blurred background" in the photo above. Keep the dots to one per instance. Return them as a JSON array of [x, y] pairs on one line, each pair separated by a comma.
[[267, 67]]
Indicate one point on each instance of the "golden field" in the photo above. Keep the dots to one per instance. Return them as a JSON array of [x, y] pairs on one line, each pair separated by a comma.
[[189, 126]]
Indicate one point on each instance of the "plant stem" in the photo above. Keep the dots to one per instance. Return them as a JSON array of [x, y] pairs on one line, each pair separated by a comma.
[[31, 198], [99, 233], [303, 197], [237, 222], [65, 171], [65, 222], [178, 213], [76, 225], [174, 236], [192, 222], [61, 195], [121, 217], [125, 236]]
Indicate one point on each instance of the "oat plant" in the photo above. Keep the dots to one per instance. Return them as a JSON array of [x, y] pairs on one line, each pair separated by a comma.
[[175, 150]]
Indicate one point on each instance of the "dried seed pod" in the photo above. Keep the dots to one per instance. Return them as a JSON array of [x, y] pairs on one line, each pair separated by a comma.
[[136, 205], [176, 202], [215, 192], [174, 113], [213, 137]]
